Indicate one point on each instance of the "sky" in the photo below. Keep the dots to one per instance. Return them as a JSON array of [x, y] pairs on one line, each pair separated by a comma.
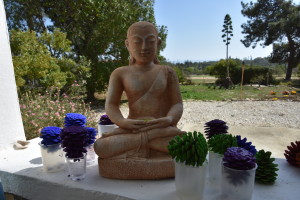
[[194, 30]]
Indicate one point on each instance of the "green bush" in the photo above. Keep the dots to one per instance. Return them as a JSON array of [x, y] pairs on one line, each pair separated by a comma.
[[255, 74], [181, 76], [45, 60], [252, 74]]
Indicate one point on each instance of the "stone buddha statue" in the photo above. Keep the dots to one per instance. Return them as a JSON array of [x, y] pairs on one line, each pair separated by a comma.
[[138, 148]]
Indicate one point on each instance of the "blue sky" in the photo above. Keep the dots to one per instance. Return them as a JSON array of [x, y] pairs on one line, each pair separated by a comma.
[[194, 29]]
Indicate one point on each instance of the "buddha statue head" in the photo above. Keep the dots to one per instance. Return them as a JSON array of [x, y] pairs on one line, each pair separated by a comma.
[[142, 43]]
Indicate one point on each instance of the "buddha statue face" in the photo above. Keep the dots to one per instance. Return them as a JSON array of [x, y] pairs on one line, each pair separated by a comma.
[[142, 43]]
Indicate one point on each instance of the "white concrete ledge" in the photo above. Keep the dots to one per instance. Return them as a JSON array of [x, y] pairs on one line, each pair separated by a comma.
[[22, 174]]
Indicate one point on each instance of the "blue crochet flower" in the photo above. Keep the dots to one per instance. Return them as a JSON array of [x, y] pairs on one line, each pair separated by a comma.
[[50, 135], [74, 139], [74, 119], [91, 136], [246, 145]]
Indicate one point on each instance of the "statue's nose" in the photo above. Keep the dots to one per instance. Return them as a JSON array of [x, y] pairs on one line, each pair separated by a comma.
[[144, 45]]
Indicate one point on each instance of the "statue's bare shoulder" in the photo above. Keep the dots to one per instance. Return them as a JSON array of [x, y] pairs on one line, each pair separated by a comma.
[[120, 72], [171, 74]]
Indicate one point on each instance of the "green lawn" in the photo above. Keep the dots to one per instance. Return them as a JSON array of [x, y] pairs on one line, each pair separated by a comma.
[[202, 92]]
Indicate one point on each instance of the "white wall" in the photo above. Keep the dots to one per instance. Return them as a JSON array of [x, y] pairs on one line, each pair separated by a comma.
[[11, 125]]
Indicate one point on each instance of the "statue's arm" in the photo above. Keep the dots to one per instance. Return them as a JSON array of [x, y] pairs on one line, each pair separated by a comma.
[[112, 104], [113, 97], [176, 108]]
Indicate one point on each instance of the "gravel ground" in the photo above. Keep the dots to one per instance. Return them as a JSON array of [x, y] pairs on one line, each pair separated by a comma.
[[244, 113], [240, 113]]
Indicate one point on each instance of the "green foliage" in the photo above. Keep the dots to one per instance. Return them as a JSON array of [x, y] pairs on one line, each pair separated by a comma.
[[189, 148], [48, 108], [219, 69], [253, 74], [219, 143], [274, 22], [266, 170], [97, 32], [181, 77], [227, 29], [24, 15], [44, 61]]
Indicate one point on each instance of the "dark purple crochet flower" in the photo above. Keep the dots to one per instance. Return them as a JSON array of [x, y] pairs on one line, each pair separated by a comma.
[[215, 127], [74, 140], [91, 136], [50, 135], [74, 119], [246, 145], [104, 120], [239, 158]]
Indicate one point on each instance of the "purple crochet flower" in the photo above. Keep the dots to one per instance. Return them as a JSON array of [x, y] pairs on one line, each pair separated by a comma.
[[104, 120], [215, 127], [239, 158], [74, 140], [74, 119], [50, 135]]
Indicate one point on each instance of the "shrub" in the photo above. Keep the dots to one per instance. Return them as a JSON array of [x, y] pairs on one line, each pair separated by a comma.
[[40, 110], [253, 74]]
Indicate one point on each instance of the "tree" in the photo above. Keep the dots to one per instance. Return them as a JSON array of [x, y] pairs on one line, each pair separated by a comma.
[[274, 22], [181, 76], [219, 68], [24, 15], [43, 61], [96, 28], [227, 34]]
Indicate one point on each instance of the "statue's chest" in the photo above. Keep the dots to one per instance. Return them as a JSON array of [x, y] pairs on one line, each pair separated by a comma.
[[141, 84]]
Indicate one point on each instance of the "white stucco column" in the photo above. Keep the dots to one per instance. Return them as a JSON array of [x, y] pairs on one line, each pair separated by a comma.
[[11, 125]]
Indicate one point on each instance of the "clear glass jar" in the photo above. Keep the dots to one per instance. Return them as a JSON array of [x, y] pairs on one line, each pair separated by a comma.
[[106, 128], [215, 171], [90, 155], [77, 167], [237, 184], [190, 181], [52, 157]]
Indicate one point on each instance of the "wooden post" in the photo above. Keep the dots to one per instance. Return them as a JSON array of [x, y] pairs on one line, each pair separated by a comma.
[[242, 79]]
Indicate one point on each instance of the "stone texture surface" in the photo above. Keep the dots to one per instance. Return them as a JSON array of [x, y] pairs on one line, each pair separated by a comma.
[[155, 107], [158, 168]]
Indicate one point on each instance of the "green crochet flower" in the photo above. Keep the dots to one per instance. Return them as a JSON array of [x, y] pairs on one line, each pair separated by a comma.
[[189, 148], [219, 143], [266, 170]]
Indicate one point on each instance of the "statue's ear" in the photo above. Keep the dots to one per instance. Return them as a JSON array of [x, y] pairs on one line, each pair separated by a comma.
[[127, 43], [158, 42]]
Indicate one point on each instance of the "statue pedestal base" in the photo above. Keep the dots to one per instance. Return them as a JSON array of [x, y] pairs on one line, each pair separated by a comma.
[[152, 168]]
